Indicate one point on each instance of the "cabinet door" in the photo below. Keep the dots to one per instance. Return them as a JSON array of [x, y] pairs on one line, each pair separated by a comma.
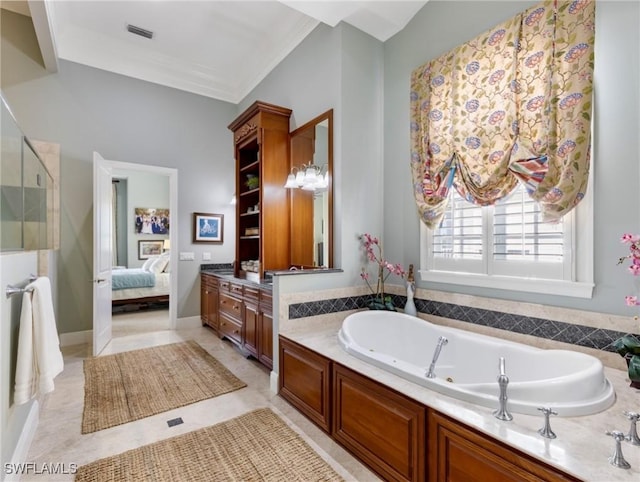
[[460, 454], [384, 429], [250, 320], [265, 341], [204, 302], [305, 382], [212, 307]]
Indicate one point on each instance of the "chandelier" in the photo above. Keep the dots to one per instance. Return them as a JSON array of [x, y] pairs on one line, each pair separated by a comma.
[[309, 177]]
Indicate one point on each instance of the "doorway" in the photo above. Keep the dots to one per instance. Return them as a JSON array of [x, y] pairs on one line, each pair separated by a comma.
[[137, 244]]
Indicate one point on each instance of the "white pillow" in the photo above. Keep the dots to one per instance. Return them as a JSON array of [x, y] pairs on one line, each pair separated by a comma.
[[147, 264], [159, 264]]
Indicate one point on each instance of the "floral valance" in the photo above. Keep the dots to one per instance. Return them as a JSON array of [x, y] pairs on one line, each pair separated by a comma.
[[512, 105]]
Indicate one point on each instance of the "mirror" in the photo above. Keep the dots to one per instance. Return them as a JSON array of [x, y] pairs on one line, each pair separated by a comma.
[[311, 193]]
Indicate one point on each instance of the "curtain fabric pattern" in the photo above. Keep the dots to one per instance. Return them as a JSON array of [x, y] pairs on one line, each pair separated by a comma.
[[512, 105]]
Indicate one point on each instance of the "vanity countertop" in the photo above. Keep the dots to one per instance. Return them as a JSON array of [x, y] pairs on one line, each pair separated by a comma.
[[581, 448], [228, 275]]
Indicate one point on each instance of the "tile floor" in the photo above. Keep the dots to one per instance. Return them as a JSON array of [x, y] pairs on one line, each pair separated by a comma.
[[58, 438]]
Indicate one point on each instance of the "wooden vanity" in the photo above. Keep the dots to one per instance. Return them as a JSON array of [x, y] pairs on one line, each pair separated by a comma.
[[240, 311]]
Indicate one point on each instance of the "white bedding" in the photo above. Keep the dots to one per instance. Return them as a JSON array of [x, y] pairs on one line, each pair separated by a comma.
[[161, 288]]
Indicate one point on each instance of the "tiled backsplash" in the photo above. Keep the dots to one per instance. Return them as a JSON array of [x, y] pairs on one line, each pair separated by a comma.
[[586, 336]]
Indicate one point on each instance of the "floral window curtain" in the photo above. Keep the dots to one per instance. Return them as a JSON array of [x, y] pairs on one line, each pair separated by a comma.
[[512, 105]]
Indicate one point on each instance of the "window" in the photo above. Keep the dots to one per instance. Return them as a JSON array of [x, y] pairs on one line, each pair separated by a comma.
[[507, 246]]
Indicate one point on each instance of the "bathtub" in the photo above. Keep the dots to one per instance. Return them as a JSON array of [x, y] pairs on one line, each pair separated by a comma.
[[568, 382]]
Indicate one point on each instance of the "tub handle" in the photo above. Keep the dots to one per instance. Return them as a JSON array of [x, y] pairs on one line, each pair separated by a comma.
[[546, 431], [617, 459], [632, 437]]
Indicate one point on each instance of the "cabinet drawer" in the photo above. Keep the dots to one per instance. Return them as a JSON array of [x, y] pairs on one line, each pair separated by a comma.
[[224, 285], [230, 328], [251, 293], [236, 289], [266, 300], [209, 281], [230, 306]]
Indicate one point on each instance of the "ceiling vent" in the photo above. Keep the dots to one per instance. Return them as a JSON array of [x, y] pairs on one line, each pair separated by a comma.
[[139, 31]]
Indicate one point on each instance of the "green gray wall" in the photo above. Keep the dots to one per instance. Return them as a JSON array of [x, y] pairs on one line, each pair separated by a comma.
[[124, 119], [442, 25]]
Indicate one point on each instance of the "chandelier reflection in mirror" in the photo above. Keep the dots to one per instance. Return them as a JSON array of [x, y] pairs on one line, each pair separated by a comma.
[[308, 177]]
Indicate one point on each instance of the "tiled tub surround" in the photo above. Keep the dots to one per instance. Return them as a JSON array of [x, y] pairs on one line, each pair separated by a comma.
[[581, 447], [542, 326]]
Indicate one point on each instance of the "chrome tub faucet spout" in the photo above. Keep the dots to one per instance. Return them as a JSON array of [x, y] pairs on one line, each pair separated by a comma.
[[442, 341], [503, 381]]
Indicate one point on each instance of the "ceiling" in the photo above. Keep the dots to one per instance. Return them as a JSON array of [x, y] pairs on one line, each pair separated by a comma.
[[219, 49]]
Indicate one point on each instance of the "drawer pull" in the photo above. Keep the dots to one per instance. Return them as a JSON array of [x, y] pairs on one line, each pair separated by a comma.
[[235, 332]]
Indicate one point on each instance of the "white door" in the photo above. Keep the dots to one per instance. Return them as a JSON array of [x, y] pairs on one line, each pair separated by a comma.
[[101, 253]]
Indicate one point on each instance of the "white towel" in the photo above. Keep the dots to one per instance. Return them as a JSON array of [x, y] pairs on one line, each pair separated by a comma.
[[39, 356]]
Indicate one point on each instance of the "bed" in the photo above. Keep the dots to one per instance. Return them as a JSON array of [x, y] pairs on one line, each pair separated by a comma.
[[148, 284]]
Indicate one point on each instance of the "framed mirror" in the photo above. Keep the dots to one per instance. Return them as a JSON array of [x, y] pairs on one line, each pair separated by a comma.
[[310, 186]]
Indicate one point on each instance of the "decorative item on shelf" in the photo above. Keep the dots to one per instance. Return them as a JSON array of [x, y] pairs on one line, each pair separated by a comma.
[[251, 231], [166, 245], [252, 181], [380, 301], [628, 346], [309, 177], [252, 266], [410, 306]]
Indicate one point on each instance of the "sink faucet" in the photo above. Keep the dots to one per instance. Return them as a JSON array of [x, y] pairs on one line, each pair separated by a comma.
[[442, 341], [503, 381]]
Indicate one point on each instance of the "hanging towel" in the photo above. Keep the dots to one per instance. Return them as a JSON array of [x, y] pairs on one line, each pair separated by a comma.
[[39, 356]]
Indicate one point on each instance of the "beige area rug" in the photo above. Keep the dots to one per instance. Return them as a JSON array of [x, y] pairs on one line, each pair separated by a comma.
[[132, 385], [256, 446]]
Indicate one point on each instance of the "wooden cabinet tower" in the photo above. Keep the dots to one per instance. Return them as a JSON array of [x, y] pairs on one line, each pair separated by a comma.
[[261, 142]]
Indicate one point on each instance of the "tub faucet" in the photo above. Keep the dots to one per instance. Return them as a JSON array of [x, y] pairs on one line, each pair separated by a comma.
[[442, 341], [503, 381], [632, 437], [617, 459]]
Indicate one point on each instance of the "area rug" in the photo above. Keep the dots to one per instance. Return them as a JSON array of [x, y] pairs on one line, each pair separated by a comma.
[[256, 446], [132, 385]]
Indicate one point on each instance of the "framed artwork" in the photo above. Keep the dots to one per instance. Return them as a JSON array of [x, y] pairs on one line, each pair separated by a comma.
[[147, 249], [151, 221], [207, 228]]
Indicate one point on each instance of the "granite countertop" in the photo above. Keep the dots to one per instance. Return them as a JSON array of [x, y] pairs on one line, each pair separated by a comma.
[[228, 275], [581, 448]]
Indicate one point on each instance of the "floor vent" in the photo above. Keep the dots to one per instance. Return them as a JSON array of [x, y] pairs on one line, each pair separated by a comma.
[[139, 31], [175, 421]]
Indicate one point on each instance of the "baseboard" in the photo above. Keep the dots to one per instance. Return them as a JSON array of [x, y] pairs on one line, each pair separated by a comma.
[[24, 441], [76, 338], [273, 381], [188, 322]]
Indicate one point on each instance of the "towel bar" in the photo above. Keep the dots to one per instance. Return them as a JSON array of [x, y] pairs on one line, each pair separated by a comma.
[[14, 290]]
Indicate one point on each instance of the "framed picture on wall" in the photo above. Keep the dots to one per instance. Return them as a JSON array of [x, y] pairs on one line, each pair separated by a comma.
[[151, 221], [207, 228], [147, 249]]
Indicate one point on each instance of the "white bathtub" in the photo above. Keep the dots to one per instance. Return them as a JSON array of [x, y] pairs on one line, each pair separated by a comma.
[[570, 383]]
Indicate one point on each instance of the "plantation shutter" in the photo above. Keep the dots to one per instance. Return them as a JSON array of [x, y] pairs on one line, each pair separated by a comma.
[[520, 235]]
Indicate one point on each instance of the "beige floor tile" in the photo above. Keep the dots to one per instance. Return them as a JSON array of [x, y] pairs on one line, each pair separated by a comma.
[[58, 438]]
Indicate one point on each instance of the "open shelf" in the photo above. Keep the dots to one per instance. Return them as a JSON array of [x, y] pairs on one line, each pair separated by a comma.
[[250, 167]]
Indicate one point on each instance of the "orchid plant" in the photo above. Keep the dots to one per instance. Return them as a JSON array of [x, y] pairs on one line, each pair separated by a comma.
[[373, 250], [629, 346]]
